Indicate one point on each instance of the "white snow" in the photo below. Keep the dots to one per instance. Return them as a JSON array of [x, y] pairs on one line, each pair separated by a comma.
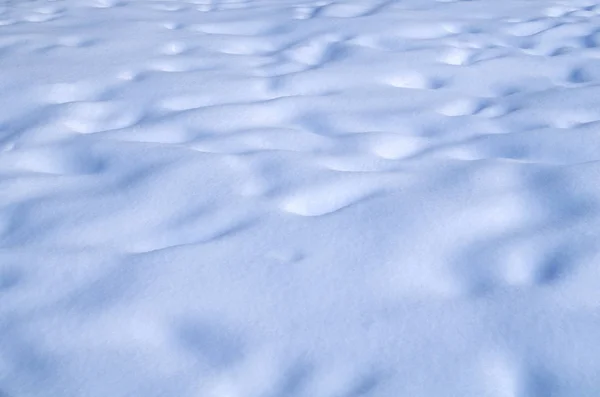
[[298, 198]]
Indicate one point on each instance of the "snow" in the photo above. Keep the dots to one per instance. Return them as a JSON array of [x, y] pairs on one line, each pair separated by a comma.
[[297, 198]]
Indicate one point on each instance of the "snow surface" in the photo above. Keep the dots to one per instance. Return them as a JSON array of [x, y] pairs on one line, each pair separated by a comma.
[[277, 198]]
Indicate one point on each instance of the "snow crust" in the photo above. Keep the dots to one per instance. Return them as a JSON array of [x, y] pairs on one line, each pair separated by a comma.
[[277, 198]]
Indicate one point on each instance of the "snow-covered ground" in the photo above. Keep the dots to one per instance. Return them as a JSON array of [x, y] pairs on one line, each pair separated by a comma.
[[277, 198]]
